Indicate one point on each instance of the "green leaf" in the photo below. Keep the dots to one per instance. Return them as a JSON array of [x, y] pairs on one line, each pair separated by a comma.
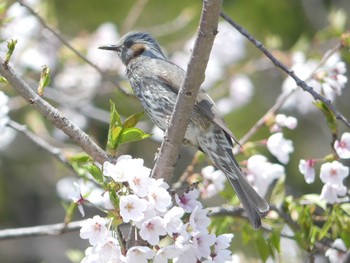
[[131, 121], [95, 172], [346, 208], [275, 239], [278, 192], [115, 127], [44, 80], [2, 79], [11, 44], [262, 246], [315, 199], [325, 228], [330, 116], [132, 134]]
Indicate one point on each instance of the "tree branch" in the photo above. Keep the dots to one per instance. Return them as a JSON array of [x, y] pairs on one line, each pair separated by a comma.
[[277, 63], [44, 230], [53, 115], [180, 118]]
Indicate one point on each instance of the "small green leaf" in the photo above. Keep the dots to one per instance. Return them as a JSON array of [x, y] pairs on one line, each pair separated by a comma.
[[278, 192], [346, 208], [131, 121], [132, 135], [330, 116], [2, 79], [315, 199], [114, 130], [275, 239], [44, 80], [324, 230], [262, 246], [11, 44], [95, 172]]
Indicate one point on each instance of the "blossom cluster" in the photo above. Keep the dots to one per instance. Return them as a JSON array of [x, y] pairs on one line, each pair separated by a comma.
[[332, 174], [171, 231], [328, 79]]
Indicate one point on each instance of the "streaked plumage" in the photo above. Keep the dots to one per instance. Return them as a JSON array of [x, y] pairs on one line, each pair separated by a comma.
[[156, 82]]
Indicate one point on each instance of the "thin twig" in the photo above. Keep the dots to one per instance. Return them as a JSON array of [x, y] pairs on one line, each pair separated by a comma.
[[180, 118], [54, 151], [133, 15], [53, 115], [73, 49], [43, 230], [277, 63]]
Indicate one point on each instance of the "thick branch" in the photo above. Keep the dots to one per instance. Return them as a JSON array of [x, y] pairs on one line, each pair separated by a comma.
[[298, 81], [44, 230], [180, 118], [53, 115]]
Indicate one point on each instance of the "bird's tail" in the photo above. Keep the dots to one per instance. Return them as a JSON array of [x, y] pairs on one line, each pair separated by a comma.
[[221, 154], [256, 207]]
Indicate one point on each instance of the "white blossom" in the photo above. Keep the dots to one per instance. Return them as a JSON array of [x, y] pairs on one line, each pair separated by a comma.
[[139, 254], [152, 229], [262, 173], [202, 243], [94, 229], [166, 253], [334, 255], [188, 201], [172, 220], [132, 208], [124, 169], [280, 147], [307, 168], [199, 220], [331, 193], [159, 198], [213, 181], [333, 173], [342, 146], [286, 121]]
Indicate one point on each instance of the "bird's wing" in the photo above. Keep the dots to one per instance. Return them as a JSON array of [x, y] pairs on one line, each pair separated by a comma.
[[203, 102]]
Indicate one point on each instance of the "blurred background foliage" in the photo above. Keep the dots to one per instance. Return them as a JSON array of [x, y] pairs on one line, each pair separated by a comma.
[[28, 175]]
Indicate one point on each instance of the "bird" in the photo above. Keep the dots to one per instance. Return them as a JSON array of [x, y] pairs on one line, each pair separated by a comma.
[[156, 82]]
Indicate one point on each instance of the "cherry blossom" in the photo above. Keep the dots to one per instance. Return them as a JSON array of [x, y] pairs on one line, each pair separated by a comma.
[[262, 173], [213, 181], [333, 254], [172, 220], [152, 229], [123, 170], [342, 146], [188, 201], [159, 198], [286, 121], [333, 173], [307, 168], [166, 253], [139, 254], [280, 147], [199, 220], [94, 229], [132, 208], [331, 193], [202, 243]]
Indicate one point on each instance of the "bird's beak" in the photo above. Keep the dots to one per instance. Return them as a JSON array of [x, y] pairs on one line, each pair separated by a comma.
[[110, 47]]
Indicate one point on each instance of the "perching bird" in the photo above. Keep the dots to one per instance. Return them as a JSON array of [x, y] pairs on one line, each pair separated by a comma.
[[156, 82]]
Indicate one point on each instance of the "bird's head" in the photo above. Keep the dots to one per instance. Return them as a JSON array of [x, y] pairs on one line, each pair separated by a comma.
[[135, 44]]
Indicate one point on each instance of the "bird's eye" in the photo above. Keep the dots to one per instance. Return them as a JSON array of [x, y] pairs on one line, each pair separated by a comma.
[[128, 43]]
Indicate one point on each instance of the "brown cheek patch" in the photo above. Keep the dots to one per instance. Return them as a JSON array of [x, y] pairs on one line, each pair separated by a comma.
[[138, 49]]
